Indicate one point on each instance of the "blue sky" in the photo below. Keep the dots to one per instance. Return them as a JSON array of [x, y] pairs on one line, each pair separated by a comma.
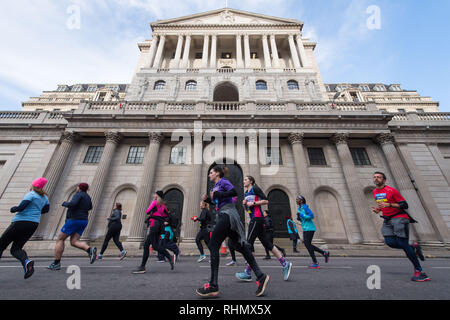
[[39, 51]]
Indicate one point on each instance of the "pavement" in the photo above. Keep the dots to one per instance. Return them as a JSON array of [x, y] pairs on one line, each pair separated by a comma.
[[111, 279]]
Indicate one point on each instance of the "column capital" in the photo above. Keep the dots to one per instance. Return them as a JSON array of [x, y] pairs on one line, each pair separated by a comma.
[[340, 138], [113, 136], [296, 137], [156, 137], [214, 36], [69, 136], [252, 138], [298, 36], [385, 138]]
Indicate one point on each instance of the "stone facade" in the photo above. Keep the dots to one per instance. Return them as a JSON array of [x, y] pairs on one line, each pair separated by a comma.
[[228, 69]]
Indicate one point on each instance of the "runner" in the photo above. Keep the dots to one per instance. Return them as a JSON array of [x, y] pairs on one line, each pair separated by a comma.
[[254, 199], [168, 241], [204, 233], [268, 228], [76, 221], [158, 214], [306, 216], [395, 228], [228, 225], [24, 224], [114, 229], [293, 233]]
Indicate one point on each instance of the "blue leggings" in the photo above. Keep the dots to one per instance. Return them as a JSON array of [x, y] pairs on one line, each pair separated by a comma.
[[403, 243]]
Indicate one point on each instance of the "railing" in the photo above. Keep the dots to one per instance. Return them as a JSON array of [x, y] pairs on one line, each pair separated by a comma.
[[225, 106], [226, 70], [32, 117], [193, 70], [422, 117]]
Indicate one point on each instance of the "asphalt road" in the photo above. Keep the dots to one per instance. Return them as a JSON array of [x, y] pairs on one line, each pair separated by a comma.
[[342, 278]]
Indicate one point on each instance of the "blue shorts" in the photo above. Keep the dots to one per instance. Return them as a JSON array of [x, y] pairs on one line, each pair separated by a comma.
[[74, 226]]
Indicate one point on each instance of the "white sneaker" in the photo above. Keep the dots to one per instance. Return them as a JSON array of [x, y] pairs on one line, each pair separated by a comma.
[[231, 263], [203, 257]]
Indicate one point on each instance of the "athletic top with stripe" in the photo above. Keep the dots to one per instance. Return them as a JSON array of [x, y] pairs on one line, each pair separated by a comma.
[[253, 195]]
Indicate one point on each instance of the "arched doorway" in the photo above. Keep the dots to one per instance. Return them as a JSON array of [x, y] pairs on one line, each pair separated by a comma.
[[236, 177], [127, 197], [279, 207], [174, 200], [328, 213], [226, 92]]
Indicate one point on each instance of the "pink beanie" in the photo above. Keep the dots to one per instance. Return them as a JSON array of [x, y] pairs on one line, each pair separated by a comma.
[[40, 183]]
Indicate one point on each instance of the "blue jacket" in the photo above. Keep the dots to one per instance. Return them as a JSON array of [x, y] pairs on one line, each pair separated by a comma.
[[306, 216], [78, 207], [292, 229], [167, 232]]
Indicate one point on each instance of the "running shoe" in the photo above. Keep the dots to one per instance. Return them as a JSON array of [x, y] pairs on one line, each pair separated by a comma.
[[123, 254], [208, 291], [267, 258], [161, 261], [139, 270], [327, 256], [262, 285], [287, 271], [231, 263], [420, 277], [244, 276], [93, 255], [54, 267], [99, 257], [418, 249], [29, 269], [202, 258], [314, 266]]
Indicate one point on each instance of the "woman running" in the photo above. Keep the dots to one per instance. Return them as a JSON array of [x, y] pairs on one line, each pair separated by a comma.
[[24, 224], [228, 224], [306, 216], [254, 199], [203, 233], [268, 228], [158, 216], [114, 229]]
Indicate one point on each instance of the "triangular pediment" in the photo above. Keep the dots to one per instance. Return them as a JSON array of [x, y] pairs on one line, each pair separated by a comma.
[[227, 17]]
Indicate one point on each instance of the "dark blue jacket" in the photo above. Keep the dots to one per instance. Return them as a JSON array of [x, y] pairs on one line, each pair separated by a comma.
[[78, 207]]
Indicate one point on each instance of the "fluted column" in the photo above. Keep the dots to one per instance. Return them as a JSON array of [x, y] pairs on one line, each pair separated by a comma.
[[240, 62], [205, 52], [359, 200], [153, 48], [177, 58], [265, 44], [159, 53], [187, 49], [96, 189], [276, 58], [302, 52], [294, 53], [213, 62], [144, 193], [247, 51], [424, 228]]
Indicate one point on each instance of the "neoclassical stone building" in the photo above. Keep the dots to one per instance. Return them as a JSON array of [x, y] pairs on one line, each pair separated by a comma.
[[231, 70]]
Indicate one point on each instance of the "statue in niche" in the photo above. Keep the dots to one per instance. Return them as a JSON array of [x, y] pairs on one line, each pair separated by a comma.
[[174, 87], [246, 87], [143, 86], [311, 88], [278, 87]]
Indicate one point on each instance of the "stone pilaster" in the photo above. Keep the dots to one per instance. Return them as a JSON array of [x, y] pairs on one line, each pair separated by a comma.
[[153, 48], [178, 51], [240, 62], [213, 60], [247, 51], [205, 52], [187, 49], [294, 53], [275, 57], [302, 52], [159, 52], [266, 50]]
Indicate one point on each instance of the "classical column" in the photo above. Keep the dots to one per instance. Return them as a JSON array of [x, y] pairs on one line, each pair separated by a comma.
[[359, 200], [205, 52], [153, 47], [240, 62], [247, 51], [176, 61], [144, 193], [213, 62], [276, 59], [265, 43], [424, 228], [96, 189], [294, 53], [159, 53], [302, 52], [187, 49]]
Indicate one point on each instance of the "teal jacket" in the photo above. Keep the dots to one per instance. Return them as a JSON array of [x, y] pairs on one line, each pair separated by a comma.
[[292, 229], [167, 231], [306, 216]]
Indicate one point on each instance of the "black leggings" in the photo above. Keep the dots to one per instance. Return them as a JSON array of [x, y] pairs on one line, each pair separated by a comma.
[[221, 231], [269, 235], [203, 234], [153, 239], [114, 233], [18, 233], [232, 251], [256, 230], [307, 240]]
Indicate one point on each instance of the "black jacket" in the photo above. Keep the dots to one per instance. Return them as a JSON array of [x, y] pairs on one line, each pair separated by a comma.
[[205, 218], [268, 224], [115, 218], [78, 207]]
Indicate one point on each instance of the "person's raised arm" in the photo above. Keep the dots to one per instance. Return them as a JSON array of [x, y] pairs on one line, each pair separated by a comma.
[[74, 202]]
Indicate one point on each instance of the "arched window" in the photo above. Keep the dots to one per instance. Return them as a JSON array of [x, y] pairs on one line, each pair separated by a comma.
[[160, 85], [293, 85], [191, 85], [261, 85]]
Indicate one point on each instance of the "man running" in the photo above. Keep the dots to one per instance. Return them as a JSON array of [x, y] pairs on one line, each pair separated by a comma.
[[395, 228], [268, 228]]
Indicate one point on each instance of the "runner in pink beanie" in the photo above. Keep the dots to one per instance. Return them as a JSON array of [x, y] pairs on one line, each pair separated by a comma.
[[40, 183]]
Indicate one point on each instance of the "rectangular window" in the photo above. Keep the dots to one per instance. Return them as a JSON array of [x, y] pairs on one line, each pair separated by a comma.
[[93, 155], [199, 55], [273, 156], [226, 55], [360, 157], [136, 155], [316, 157], [178, 155]]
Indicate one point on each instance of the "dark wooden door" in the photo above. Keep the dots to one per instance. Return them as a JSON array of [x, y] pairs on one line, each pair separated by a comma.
[[174, 199], [279, 208]]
